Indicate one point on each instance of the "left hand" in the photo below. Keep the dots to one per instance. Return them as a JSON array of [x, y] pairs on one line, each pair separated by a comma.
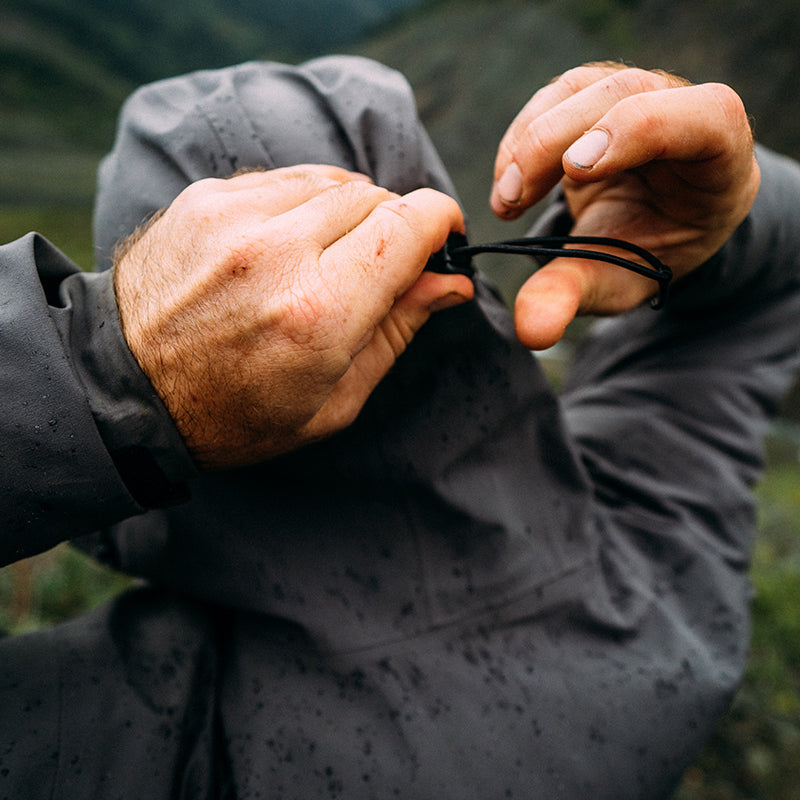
[[642, 156], [265, 308]]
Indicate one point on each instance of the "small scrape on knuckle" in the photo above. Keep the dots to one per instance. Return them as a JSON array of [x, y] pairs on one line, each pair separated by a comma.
[[401, 219], [241, 253], [398, 207]]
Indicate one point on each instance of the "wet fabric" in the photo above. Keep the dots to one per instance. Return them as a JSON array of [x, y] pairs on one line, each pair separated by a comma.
[[479, 589]]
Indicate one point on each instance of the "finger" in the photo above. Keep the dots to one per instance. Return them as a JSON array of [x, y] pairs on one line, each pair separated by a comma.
[[270, 194], [381, 258], [318, 214], [557, 91], [529, 160], [262, 194], [694, 125], [552, 297], [430, 293]]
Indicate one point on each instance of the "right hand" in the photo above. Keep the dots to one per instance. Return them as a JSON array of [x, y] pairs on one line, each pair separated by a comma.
[[641, 156], [265, 308]]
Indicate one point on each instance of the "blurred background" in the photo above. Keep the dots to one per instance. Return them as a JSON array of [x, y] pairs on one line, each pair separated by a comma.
[[66, 66]]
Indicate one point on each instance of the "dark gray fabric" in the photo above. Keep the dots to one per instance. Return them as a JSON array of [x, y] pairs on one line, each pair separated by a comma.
[[113, 703], [72, 397], [343, 111], [57, 478], [479, 589]]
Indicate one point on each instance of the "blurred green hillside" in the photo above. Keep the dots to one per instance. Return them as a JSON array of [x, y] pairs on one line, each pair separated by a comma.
[[66, 66]]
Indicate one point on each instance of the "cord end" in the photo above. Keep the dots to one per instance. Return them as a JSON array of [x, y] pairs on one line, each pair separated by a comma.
[[449, 260]]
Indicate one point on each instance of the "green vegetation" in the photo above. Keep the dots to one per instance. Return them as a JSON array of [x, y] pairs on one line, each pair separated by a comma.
[[68, 227], [753, 754], [52, 587], [67, 67]]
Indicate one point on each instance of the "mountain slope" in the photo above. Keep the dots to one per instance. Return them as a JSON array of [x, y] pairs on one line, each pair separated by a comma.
[[66, 65]]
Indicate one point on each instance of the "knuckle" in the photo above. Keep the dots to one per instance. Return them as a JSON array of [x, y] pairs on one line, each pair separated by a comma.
[[311, 332], [241, 253], [642, 121], [199, 193], [628, 81], [638, 80], [634, 80], [607, 65], [730, 105], [199, 208], [301, 315], [374, 194], [571, 80], [305, 179], [673, 81], [310, 317], [543, 136], [577, 78], [396, 219]]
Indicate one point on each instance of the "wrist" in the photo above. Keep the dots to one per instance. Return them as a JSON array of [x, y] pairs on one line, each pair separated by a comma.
[[135, 426]]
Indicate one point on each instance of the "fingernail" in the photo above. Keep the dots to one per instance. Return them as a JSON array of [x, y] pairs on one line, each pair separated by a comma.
[[589, 149], [509, 187]]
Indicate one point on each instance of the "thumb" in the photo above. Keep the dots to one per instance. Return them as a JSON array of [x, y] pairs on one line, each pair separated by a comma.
[[431, 292], [547, 302], [566, 287]]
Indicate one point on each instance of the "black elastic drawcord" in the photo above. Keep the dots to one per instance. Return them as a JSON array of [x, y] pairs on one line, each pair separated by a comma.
[[456, 256]]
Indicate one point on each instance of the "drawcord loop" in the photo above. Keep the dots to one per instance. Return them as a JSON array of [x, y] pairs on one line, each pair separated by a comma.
[[456, 256]]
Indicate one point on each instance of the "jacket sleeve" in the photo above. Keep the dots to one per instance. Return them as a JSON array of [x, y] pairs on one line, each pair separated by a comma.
[[670, 408], [84, 439]]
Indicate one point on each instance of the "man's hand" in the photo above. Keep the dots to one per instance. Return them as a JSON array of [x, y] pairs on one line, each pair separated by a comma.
[[265, 308], [642, 156]]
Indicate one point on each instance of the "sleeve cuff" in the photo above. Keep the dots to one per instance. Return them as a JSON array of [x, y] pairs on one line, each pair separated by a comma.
[[135, 426]]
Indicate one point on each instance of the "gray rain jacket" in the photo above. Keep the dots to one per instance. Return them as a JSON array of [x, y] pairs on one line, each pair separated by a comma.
[[480, 589]]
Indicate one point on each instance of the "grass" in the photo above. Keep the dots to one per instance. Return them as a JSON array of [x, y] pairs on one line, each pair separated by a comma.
[[54, 586], [66, 226], [753, 754]]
